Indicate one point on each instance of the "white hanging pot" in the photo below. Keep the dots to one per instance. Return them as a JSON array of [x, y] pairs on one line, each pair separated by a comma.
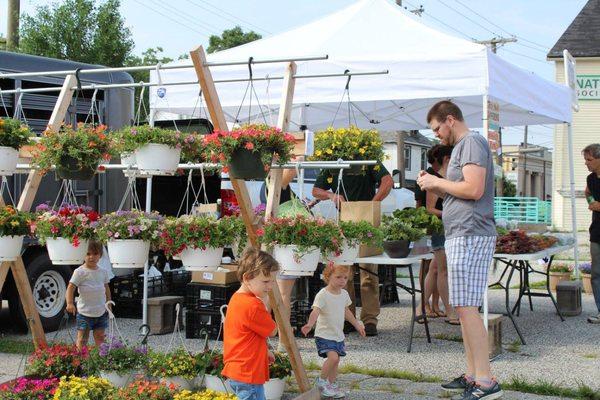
[[157, 159], [116, 379], [348, 255], [208, 259], [128, 159], [128, 253], [293, 264], [180, 382], [10, 247], [8, 160], [213, 382], [198, 381], [274, 388], [62, 252]]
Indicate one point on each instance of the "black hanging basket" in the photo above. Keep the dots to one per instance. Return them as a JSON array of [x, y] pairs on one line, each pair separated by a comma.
[[397, 248], [69, 168], [246, 164]]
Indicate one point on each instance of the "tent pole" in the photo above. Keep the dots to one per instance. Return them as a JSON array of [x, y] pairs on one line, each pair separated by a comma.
[[146, 266], [573, 200]]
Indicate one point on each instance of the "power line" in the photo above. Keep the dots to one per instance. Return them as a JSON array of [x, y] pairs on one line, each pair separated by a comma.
[[220, 15], [470, 19], [181, 14], [170, 18], [526, 56], [443, 23], [236, 17]]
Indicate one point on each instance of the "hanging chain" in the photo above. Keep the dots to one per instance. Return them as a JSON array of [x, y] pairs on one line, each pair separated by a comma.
[[6, 187], [68, 194], [131, 190]]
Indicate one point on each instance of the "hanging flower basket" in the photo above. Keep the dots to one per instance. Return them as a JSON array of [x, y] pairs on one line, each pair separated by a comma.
[[116, 379], [128, 253], [247, 164], [216, 383], [274, 388], [69, 168], [348, 254], [157, 159], [62, 252], [179, 382], [13, 136], [10, 247], [128, 158], [279, 371], [14, 225], [294, 262], [197, 259], [356, 234]]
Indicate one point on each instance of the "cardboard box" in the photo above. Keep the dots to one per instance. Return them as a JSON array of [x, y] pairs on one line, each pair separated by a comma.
[[300, 145], [217, 277]]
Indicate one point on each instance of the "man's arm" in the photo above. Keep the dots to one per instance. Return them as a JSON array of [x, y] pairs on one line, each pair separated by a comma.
[[386, 185], [471, 188], [323, 194]]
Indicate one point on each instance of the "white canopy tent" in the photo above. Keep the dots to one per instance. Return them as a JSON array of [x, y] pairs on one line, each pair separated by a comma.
[[424, 66]]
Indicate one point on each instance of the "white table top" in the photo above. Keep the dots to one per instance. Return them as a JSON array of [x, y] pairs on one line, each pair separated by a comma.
[[535, 256], [384, 259]]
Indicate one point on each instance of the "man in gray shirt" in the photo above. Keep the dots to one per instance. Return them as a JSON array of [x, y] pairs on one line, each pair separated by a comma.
[[468, 216]]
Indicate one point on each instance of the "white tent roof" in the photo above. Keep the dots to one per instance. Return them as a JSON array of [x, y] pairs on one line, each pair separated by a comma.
[[371, 35]]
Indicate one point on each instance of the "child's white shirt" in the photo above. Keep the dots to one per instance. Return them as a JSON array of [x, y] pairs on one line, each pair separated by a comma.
[[330, 324], [92, 295]]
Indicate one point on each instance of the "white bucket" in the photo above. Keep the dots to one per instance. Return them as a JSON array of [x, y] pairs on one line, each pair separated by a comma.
[[10, 247], [157, 159], [213, 382], [291, 265], [274, 388], [180, 382], [201, 260], [8, 160], [348, 256], [62, 252], [118, 380], [128, 253], [128, 159]]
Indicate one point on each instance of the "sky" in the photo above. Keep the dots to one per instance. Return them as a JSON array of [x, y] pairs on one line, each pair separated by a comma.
[[179, 25]]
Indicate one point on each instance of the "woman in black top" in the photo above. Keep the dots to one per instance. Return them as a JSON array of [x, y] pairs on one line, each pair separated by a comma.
[[592, 192]]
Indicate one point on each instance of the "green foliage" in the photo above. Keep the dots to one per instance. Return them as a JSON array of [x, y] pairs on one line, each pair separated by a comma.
[[281, 368], [14, 222], [132, 224], [395, 229], [508, 188], [236, 228], [117, 357], [13, 133], [78, 30], [420, 218], [361, 232], [231, 38], [176, 363], [131, 138]]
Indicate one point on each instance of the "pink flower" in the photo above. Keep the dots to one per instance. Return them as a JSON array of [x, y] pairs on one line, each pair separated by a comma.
[[249, 146]]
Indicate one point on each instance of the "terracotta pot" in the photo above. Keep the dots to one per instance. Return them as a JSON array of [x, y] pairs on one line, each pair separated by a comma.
[[556, 277], [587, 283]]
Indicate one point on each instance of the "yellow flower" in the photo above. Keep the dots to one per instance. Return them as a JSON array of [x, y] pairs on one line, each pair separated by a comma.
[[361, 150], [329, 151], [330, 179], [377, 168], [15, 223], [318, 152]]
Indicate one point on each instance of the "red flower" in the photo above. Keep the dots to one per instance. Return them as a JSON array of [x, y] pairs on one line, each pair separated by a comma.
[[249, 146], [260, 232]]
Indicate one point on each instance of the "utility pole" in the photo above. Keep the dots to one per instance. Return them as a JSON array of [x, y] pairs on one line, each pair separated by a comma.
[[493, 45], [12, 25], [525, 133]]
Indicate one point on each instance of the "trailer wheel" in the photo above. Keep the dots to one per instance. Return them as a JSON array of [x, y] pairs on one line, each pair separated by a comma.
[[49, 286]]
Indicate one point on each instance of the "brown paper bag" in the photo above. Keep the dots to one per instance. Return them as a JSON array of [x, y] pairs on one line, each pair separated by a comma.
[[209, 208], [369, 211]]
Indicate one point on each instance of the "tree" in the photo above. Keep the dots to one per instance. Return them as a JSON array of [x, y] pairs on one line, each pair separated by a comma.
[[231, 38], [509, 188], [78, 30]]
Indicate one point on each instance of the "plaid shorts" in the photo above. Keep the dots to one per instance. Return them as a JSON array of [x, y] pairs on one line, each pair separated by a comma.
[[469, 259]]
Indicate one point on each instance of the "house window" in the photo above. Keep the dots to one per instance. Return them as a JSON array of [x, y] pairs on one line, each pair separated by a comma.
[[407, 160], [423, 159]]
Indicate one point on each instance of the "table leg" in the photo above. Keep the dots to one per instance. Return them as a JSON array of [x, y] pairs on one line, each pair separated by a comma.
[[412, 292], [527, 270], [547, 273], [507, 300]]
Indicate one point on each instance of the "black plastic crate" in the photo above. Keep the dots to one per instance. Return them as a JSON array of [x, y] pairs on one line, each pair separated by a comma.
[[388, 293], [196, 321], [131, 287], [176, 282], [201, 296], [128, 308], [300, 311], [387, 273]]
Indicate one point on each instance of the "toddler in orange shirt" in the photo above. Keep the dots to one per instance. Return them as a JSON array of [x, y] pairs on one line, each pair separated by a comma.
[[248, 325]]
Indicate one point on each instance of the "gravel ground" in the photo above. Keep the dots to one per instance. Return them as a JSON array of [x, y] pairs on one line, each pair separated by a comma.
[[563, 353]]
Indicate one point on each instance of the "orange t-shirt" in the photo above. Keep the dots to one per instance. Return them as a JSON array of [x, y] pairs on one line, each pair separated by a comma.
[[247, 326]]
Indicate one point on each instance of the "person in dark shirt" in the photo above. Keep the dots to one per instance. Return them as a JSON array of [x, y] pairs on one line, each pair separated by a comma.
[[592, 193]]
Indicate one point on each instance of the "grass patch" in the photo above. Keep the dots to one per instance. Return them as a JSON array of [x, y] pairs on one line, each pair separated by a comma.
[[390, 387], [514, 347], [401, 275], [312, 366], [495, 287], [545, 388], [532, 285], [13, 346], [450, 338], [590, 356], [355, 385], [385, 373]]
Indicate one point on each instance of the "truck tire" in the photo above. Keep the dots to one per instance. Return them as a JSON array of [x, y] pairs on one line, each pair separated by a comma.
[[49, 286]]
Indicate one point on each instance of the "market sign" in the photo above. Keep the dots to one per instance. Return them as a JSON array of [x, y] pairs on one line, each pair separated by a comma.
[[493, 125], [588, 87]]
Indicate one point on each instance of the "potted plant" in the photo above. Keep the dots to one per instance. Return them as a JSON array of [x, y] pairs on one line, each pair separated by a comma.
[[397, 236], [420, 218], [65, 232], [349, 144], [89, 388], [213, 380], [559, 273], [57, 360], [116, 362], [145, 390], [197, 240], [247, 152], [586, 276], [156, 150], [14, 225], [76, 152], [355, 234], [26, 388], [279, 371], [204, 395], [13, 135], [299, 242], [128, 235], [176, 368], [239, 235]]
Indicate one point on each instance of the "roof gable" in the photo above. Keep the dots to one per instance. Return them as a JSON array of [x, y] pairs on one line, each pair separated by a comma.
[[582, 37]]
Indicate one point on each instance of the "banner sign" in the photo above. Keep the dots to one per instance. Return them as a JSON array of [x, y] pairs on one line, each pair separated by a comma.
[[493, 126]]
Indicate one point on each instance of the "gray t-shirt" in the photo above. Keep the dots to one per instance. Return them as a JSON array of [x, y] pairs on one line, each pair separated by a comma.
[[92, 296], [470, 217]]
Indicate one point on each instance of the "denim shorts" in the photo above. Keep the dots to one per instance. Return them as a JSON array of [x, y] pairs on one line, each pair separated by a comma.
[[437, 242], [91, 323], [247, 391], [326, 345]]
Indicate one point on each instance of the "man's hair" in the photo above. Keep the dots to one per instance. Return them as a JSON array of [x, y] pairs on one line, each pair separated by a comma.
[[442, 109], [95, 247], [255, 261], [331, 268], [438, 152], [592, 150]]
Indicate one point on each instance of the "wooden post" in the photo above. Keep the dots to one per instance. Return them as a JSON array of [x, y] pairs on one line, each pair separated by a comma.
[[215, 110], [25, 202]]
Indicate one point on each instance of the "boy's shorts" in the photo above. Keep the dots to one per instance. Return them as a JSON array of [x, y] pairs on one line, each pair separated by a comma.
[[91, 323], [247, 391], [326, 345]]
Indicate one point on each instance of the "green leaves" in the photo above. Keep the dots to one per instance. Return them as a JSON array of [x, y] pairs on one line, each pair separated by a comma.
[[13, 133], [231, 38], [395, 229], [421, 219]]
